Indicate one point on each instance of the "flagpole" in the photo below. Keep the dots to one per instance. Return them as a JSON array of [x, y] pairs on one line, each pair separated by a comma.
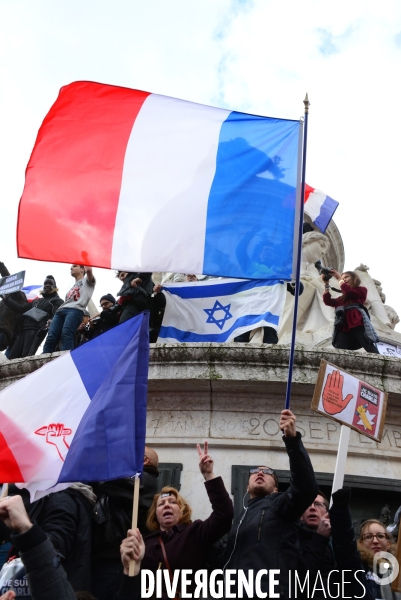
[[134, 523], [299, 252], [339, 471]]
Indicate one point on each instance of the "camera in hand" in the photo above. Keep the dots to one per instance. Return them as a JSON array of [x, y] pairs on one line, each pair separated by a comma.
[[326, 271]]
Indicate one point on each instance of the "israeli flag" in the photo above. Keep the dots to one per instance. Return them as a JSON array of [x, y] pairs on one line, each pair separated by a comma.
[[218, 310]]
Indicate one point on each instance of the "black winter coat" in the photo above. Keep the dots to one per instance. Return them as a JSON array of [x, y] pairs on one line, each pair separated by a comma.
[[65, 517], [9, 320], [265, 535], [348, 559], [140, 295], [47, 579], [317, 560], [187, 546], [49, 303], [106, 320], [115, 514]]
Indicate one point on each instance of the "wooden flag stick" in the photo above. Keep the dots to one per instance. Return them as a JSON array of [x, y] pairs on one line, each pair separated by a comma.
[[134, 523]]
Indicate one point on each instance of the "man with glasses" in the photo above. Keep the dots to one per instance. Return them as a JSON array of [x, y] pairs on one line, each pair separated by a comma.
[[265, 535], [315, 541], [105, 320], [316, 515]]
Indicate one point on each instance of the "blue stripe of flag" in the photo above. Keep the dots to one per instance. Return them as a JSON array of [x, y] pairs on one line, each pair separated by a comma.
[[251, 206], [188, 336], [218, 289]]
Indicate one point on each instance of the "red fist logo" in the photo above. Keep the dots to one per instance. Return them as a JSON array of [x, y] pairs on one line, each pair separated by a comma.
[[55, 434], [333, 401]]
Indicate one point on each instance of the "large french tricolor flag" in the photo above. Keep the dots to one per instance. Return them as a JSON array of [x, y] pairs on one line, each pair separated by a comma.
[[125, 179], [81, 417], [319, 207]]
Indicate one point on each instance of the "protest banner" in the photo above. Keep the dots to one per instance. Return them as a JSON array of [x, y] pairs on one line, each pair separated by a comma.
[[350, 401], [353, 403], [12, 283]]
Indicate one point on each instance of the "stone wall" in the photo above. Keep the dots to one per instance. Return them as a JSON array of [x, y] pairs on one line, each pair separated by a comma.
[[232, 395]]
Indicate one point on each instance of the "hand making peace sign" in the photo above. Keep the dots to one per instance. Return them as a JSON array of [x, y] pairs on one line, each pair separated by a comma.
[[205, 462]]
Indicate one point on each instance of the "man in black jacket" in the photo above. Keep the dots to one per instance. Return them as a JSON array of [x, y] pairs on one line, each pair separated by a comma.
[[113, 518], [265, 535], [105, 320], [65, 517], [9, 320], [46, 577], [317, 556], [34, 326]]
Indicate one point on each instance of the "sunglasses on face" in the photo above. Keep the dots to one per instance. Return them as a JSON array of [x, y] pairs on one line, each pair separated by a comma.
[[264, 471]]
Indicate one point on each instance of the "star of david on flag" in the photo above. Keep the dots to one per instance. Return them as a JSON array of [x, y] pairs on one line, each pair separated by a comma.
[[233, 306], [217, 308]]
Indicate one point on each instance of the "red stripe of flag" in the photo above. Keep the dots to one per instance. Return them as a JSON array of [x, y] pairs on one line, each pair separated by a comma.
[[9, 469], [308, 191], [81, 147]]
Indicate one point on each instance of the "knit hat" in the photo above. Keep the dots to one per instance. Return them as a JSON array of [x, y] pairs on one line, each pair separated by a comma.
[[109, 298]]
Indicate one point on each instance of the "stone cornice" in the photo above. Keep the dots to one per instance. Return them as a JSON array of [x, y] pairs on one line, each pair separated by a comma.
[[236, 364]]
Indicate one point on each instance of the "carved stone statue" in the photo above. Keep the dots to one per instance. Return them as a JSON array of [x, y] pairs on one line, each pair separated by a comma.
[[314, 246], [392, 315], [385, 515], [394, 527], [315, 319], [384, 318]]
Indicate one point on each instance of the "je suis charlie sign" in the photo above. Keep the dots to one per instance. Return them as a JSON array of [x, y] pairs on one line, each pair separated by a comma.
[[350, 401]]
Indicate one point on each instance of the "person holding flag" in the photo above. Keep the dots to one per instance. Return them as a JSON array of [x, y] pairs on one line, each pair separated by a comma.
[[177, 542]]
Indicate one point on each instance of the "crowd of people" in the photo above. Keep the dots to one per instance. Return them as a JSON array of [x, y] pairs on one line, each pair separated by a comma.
[[78, 543], [67, 324]]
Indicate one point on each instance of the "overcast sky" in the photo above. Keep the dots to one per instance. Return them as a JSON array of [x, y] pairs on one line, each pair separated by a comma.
[[259, 56]]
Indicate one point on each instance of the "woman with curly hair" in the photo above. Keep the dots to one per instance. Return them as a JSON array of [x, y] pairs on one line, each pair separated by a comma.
[[352, 329], [177, 542]]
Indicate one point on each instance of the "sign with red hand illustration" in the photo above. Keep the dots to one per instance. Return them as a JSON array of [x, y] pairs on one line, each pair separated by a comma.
[[350, 401]]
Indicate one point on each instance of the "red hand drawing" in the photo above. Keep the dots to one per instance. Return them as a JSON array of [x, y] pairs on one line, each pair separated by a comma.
[[55, 435], [333, 402]]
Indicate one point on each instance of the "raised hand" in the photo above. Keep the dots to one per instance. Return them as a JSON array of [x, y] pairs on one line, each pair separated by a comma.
[[14, 515], [205, 462], [287, 423], [333, 401], [324, 527]]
